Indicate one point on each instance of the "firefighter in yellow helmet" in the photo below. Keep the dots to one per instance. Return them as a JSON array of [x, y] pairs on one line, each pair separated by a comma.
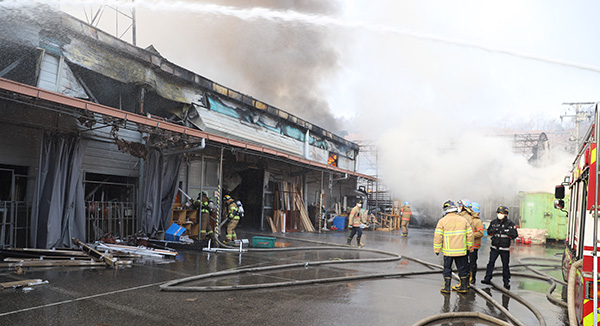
[[453, 238], [234, 218], [406, 215]]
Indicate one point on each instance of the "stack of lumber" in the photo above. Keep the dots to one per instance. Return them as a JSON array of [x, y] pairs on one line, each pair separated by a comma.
[[304, 218]]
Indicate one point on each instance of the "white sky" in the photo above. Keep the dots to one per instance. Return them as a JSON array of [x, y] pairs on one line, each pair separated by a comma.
[[396, 89]]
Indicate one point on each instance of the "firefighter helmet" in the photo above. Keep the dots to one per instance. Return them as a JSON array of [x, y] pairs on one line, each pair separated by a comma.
[[475, 207], [447, 204], [502, 210], [227, 198], [464, 203], [406, 203]]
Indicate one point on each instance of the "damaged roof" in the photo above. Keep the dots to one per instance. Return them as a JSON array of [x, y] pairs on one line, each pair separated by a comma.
[[216, 109]]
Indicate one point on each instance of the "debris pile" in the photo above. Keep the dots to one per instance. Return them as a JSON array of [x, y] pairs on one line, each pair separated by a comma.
[[99, 254]]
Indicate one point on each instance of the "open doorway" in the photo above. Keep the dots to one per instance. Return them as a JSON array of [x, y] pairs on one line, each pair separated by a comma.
[[250, 192]]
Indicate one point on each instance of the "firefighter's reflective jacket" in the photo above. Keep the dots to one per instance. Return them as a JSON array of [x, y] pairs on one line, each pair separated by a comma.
[[356, 217], [453, 235], [478, 230], [406, 212], [207, 206], [234, 213]]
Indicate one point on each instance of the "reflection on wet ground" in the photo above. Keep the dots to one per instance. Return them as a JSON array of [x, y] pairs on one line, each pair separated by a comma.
[[132, 295]]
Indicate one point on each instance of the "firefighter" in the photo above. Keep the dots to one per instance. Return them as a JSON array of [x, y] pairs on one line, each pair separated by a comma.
[[206, 208], [453, 238], [234, 218], [406, 214], [355, 224], [478, 229], [502, 231], [465, 210]]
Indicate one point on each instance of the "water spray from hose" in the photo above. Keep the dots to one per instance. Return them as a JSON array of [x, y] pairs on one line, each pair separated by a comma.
[[294, 17]]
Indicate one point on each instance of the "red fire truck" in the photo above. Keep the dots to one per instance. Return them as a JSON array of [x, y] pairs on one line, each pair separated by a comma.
[[582, 233]]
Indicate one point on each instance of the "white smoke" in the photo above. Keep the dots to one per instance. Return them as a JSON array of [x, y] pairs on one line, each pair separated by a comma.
[[429, 159]]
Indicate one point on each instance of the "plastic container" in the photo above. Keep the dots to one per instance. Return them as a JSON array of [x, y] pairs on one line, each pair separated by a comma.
[[263, 242], [339, 222], [174, 232]]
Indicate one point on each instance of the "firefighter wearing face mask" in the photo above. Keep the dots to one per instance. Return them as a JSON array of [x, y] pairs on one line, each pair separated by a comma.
[[502, 230], [355, 222]]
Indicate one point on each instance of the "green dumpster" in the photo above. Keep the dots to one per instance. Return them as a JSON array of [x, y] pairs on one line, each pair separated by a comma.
[[537, 212]]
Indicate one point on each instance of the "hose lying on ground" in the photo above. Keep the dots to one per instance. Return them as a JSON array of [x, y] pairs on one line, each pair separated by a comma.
[[172, 285], [463, 315]]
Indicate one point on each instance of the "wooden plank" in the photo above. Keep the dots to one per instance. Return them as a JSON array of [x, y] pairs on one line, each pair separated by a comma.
[[270, 220], [96, 255], [17, 284]]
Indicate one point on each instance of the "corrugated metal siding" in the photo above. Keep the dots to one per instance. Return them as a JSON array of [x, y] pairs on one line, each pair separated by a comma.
[[104, 157], [221, 124], [67, 83], [48, 73], [345, 163]]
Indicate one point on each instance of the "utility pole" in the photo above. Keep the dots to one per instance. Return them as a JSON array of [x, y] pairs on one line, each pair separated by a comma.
[[579, 116]]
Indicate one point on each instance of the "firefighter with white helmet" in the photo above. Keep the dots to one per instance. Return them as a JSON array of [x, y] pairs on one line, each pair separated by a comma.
[[453, 238], [406, 214]]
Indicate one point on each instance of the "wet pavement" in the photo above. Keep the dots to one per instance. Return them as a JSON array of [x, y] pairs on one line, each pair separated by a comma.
[[131, 296]]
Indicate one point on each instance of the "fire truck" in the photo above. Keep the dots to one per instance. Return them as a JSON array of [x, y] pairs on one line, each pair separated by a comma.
[[581, 241]]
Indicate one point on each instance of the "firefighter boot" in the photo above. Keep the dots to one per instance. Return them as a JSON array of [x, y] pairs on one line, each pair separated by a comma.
[[446, 288], [464, 285], [358, 243], [464, 282], [473, 273], [349, 241]]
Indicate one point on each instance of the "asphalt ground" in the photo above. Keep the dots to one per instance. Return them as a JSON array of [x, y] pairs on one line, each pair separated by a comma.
[[131, 295]]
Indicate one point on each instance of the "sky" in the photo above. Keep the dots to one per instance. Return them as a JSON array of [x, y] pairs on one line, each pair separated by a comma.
[[427, 82]]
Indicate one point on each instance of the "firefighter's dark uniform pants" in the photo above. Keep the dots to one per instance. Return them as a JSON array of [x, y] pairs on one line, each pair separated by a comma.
[[461, 262], [505, 257]]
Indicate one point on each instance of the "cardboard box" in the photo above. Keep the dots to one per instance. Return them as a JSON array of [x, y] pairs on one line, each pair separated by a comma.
[[174, 232]]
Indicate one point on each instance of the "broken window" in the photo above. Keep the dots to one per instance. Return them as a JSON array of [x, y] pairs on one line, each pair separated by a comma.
[[333, 159]]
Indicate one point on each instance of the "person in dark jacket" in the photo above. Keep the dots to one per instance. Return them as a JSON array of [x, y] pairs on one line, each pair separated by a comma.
[[503, 231]]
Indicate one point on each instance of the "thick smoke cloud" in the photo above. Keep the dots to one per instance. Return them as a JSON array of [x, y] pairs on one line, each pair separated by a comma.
[[283, 64]]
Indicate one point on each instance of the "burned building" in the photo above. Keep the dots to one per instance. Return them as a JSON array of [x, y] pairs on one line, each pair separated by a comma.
[[100, 136]]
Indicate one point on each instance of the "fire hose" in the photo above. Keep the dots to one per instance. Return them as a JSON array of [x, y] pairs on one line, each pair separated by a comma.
[[175, 286]]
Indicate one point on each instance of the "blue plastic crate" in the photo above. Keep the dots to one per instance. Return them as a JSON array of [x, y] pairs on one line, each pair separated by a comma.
[[174, 232]]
